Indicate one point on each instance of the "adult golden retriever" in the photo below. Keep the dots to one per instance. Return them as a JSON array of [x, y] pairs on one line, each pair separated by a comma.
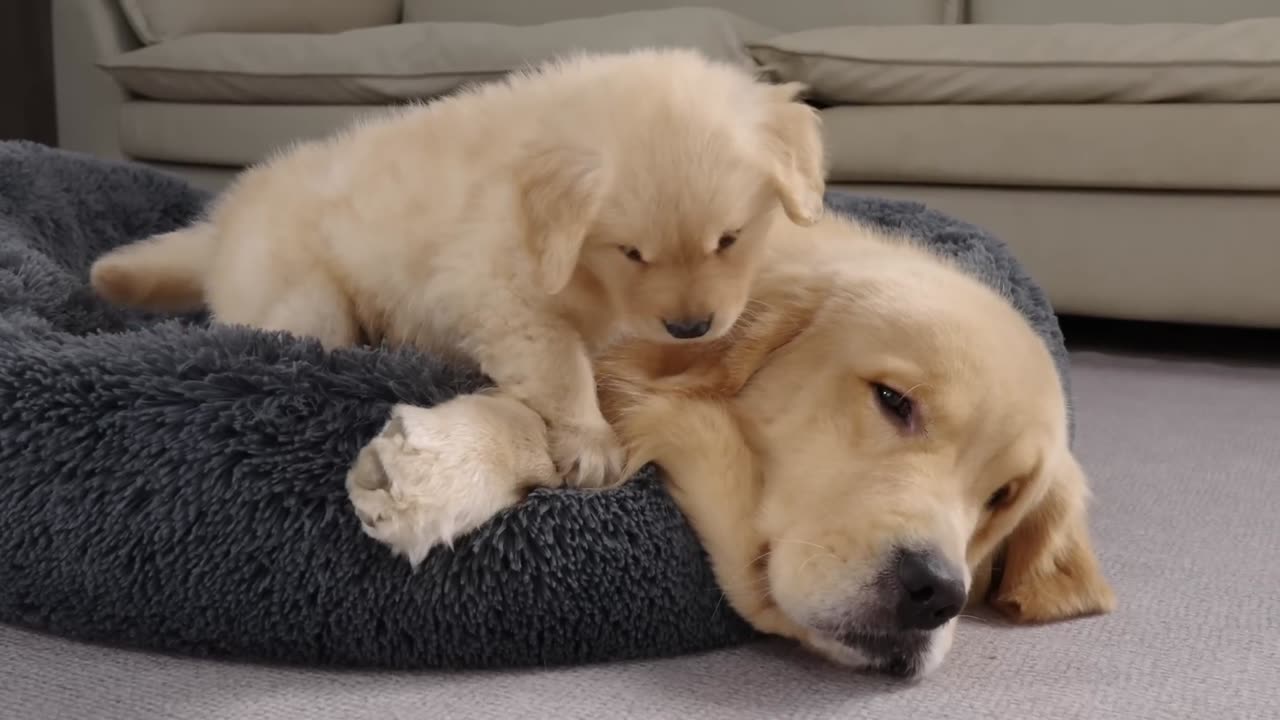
[[876, 432]]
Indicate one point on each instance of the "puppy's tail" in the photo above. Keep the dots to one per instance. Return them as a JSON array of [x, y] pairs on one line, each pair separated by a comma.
[[164, 273]]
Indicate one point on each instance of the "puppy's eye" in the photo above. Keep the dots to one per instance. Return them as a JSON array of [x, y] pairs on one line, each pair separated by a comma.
[[726, 241], [896, 406], [1000, 497], [632, 254]]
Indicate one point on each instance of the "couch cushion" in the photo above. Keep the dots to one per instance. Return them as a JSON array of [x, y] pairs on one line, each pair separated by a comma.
[[1165, 147], [399, 62], [1232, 62], [1027, 12], [159, 20], [788, 16], [227, 135], [1180, 257]]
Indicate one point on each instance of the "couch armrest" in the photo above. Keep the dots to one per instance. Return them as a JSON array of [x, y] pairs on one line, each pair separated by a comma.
[[88, 100]]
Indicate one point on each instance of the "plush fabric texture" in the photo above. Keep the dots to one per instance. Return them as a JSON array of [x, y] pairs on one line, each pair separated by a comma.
[[172, 485]]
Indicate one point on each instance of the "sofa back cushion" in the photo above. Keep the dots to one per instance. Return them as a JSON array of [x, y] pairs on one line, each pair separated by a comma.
[[406, 61], [786, 16], [1037, 12], [1065, 63], [155, 21]]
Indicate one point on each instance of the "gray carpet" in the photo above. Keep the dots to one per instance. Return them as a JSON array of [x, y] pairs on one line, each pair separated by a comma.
[[1186, 466]]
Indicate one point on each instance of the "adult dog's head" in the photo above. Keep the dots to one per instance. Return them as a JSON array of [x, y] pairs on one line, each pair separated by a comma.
[[876, 433], [911, 430], [653, 181]]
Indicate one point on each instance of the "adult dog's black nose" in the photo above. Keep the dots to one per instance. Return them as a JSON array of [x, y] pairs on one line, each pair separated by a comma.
[[688, 329], [932, 591]]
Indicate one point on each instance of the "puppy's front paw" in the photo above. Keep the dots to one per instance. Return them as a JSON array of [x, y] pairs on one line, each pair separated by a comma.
[[431, 475], [587, 456]]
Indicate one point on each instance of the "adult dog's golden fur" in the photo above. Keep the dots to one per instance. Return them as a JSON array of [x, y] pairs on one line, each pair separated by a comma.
[[789, 448], [524, 224]]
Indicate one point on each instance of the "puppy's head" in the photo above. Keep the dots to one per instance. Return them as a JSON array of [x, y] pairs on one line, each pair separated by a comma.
[[658, 195], [929, 432]]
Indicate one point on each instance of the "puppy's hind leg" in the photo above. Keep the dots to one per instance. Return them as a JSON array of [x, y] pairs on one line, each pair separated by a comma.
[[315, 308], [162, 273]]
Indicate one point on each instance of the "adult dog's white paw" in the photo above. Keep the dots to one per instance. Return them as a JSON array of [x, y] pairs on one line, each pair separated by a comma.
[[436, 473]]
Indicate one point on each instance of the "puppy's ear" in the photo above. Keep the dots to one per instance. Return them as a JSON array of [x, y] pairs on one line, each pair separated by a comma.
[[793, 137], [560, 191], [1050, 571]]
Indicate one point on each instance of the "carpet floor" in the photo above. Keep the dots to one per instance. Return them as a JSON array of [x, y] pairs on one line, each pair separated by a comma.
[[1184, 456]]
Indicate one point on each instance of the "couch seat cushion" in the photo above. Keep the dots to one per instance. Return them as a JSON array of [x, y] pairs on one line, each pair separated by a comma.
[[159, 20], [225, 134], [1007, 64], [1164, 147], [402, 62]]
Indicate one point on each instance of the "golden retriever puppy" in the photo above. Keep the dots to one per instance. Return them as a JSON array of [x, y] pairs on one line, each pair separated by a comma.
[[524, 225], [874, 434]]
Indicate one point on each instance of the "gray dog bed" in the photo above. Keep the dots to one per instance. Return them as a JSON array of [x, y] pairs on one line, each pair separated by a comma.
[[170, 485]]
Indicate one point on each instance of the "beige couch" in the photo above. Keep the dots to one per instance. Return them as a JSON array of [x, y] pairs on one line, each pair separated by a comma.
[[1134, 165]]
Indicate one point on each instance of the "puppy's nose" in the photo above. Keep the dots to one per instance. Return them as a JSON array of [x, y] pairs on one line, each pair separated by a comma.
[[688, 329], [932, 591]]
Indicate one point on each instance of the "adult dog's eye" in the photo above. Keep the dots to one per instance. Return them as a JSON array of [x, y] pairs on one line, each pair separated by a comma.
[[1000, 497], [726, 241], [632, 254], [897, 406]]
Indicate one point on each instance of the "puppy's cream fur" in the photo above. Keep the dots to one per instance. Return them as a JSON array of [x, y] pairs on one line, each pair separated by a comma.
[[524, 224], [796, 479]]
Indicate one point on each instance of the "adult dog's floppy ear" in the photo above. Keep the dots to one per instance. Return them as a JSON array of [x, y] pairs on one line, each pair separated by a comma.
[[561, 188], [793, 136], [1049, 569]]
